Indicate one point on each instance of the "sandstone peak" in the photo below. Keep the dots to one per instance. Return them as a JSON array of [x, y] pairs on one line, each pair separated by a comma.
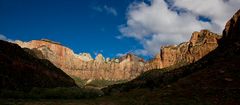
[[85, 57], [18, 41], [204, 36], [108, 59], [26, 71], [50, 41], [170, 46], [200, 44], [125, 67], [100, 58], [131, 57], [79, 65], [115, 60], [157, 56], [231, 33]]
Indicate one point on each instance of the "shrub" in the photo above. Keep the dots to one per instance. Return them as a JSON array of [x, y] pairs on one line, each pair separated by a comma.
[[104, 83]]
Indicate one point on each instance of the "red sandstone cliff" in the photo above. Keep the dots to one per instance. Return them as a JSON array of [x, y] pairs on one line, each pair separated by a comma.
[[21, 71], [126, 67], [83, 66], [200, 44]]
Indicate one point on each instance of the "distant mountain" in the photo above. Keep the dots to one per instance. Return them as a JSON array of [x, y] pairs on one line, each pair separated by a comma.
[[213, 80], [125, 67], [200, 44], [20, 70], [130, 57], [83, 65]]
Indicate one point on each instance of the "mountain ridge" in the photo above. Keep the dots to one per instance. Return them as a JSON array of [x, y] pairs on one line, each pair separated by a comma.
[[125, 67], [20, 70], [213, 80]]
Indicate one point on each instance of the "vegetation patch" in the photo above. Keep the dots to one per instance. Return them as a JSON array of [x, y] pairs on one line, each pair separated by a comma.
[[104, 83], [98, 83], [52, 93]]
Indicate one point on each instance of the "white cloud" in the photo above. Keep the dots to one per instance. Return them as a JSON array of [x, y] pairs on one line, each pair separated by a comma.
[[119, 37], [158, 24], [120, 54], [217, 10], [107, 9], [99, 9], [110, 10], [125, 53], [3, 37]]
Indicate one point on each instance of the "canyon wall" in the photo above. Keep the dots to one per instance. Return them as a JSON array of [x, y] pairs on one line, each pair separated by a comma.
[[126, 67], [200, 44], [83, 65], [21, 71]]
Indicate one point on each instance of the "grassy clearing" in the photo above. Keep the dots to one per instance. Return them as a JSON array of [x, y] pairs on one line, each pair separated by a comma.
[[96, 83], [104, 83]]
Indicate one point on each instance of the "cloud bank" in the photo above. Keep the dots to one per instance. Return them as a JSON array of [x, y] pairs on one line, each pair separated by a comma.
[[107, 9], [163, 22], [3, 37]]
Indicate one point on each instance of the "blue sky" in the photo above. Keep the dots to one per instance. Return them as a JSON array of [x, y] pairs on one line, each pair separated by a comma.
[[83, 25], [113, 27]]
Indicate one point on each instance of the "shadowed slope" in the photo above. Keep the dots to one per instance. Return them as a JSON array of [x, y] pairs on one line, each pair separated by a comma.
[[21, 71], [212, 80]]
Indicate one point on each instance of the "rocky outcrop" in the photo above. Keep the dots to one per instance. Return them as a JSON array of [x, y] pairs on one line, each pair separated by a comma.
[[154, 63], [200, 44], [210, 80], [83, 65], [59, 55], [126, 67], [85, 57], [19, 70], [231, 33], [110, 69], [100, 58]]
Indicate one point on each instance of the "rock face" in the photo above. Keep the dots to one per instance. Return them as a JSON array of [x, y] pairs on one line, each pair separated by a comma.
[[100, 58], [82, 65], [231, 32], [210, 80], [154, 63], [19, 70], [62, 57], [109, 69], [200, 44], [85, 57], [126, 67]]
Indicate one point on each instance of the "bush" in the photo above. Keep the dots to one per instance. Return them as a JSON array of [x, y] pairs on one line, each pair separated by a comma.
[[104, 83], [79, 81]]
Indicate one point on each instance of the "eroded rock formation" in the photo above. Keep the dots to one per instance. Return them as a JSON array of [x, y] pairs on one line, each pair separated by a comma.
[[200, 44], [21, 71], [231, 31], [83, 65], [126, 67]]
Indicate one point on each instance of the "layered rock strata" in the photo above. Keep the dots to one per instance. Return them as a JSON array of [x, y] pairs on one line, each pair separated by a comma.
[[126, 67], [21, 71], [200, 44], [83, 65]]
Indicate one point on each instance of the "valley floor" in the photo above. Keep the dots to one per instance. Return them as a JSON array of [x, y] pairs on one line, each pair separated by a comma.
[[134, 97], [216, 84]]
